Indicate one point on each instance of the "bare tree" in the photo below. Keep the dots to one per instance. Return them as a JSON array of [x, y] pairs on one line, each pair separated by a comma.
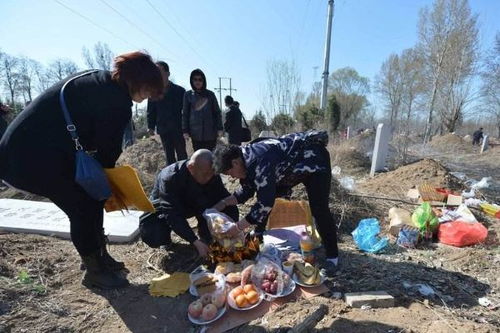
[[388, 84], [102, 57], [490, 89], [350, 90], [42, 77], [443, 29], [10, 74], [27, 77], [282, 91], [61, 68], [412, 87]]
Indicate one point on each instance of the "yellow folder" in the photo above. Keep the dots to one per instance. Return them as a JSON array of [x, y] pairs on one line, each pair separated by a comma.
[[127, 190]]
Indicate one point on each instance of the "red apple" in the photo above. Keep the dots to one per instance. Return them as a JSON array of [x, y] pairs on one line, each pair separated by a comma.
[[218, 300], [195, 309], [206, 299], [209, 312]]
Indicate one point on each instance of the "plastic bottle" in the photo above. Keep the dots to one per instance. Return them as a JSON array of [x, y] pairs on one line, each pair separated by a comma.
[[307, 248]]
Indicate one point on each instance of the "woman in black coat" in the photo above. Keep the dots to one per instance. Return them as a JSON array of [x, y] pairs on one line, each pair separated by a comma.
[[37, 153]]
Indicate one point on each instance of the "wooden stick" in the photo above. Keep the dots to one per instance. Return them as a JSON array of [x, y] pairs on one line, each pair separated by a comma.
[[311, 321]]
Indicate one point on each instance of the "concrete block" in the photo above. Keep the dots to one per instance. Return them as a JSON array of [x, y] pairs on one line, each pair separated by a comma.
[[45, 218], [375, 299]]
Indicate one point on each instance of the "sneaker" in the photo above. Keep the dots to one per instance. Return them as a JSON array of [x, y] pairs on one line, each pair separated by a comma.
[[329, 267]]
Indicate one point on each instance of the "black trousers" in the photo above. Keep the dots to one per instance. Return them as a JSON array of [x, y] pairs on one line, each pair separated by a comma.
[[174, 144], [86, 217], [210, 145]]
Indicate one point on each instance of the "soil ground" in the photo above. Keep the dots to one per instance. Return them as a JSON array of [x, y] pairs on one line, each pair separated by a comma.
[[40, 288]]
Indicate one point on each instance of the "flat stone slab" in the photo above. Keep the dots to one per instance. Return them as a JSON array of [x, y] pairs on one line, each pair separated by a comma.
[[374, 299], [45, 218]]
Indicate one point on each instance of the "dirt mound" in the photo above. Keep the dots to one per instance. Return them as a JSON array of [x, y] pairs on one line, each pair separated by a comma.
[[352, 155], [450, 142], [397, 183], [147, 157]]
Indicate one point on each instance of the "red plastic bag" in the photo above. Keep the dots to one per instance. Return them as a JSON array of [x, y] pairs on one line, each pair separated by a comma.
[[460, 234]]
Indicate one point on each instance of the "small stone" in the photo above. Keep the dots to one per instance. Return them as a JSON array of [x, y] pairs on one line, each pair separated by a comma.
[[375, 299]]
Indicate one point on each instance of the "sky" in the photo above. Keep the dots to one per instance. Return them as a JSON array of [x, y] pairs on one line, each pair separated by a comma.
[[226, 38]]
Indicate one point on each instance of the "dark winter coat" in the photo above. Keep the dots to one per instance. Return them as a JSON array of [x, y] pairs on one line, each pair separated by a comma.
[[232, 124], [165, 115], [37, 151], [201, 115]]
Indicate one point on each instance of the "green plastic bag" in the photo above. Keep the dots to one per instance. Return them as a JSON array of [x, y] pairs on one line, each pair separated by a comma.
[[424, 219]]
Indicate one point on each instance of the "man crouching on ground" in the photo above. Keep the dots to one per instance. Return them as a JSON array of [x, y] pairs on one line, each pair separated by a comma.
[[271, 168], [185, 189]]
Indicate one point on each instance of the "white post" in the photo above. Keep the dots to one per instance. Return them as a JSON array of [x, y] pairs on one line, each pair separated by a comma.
[[484, 146], [348, 134], [327, 56], [380, 149]]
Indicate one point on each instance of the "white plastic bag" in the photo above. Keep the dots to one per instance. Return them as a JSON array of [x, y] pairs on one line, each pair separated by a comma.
[[218, 224]]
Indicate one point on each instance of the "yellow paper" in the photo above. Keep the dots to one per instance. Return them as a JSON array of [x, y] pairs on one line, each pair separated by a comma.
[[288, 213], [169, 285], [127, 190]]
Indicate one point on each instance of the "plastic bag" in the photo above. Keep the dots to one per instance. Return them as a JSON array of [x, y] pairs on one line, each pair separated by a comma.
[[408, 237], [218, 224], [424, 218], [365, 236], [272, 253], [201, 272], [462, 233], [268, 276]]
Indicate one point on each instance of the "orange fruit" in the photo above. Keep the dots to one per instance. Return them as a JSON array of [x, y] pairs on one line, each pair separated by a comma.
[[252, 297], [241, 301], [248, 287], [237, 292]]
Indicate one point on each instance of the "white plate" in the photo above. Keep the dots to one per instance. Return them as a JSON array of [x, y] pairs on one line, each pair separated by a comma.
[[291, 287], [296, 280], [232, 304], [201, 322], [220, 285]]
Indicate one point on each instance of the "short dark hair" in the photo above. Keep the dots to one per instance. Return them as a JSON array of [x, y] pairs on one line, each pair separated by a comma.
[[229, 100], [137, 71], [163, 65], [224, 155]]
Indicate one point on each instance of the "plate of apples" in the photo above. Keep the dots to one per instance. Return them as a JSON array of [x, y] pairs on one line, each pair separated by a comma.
[[207, 309]]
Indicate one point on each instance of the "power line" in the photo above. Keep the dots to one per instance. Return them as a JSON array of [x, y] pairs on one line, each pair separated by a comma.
[[175, 30], [96, 24], [137, 27]]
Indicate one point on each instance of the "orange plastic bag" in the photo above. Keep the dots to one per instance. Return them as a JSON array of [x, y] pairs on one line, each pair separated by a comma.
[[460, 234]]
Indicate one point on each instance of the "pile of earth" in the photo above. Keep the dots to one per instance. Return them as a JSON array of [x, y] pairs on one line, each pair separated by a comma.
[[397, 183], [147, 157], [450, 142]]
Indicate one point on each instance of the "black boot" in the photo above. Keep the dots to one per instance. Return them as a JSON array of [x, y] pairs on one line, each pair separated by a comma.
[[98, 275], [108, 259]]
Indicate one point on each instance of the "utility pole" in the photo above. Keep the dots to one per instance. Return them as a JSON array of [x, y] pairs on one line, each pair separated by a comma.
[[327, 55], [220, 89]]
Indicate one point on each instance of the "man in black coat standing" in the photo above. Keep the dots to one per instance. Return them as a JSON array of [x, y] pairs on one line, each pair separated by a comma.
[[232, 122], [165, 115]]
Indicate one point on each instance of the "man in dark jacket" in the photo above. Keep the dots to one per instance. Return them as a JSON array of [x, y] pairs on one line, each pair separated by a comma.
[[201, 115], [232, 122], [270, 168], [165, 115], [477, 137], [185, 189]]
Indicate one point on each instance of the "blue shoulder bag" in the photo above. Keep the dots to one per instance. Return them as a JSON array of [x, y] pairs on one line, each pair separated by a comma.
[[89, 172]]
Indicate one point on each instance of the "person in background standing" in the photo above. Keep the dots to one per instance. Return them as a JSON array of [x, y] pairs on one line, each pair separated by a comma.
[[4, 110], [165, 115], [477, 137], [232, 123], [201, 115], [128, 135]]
